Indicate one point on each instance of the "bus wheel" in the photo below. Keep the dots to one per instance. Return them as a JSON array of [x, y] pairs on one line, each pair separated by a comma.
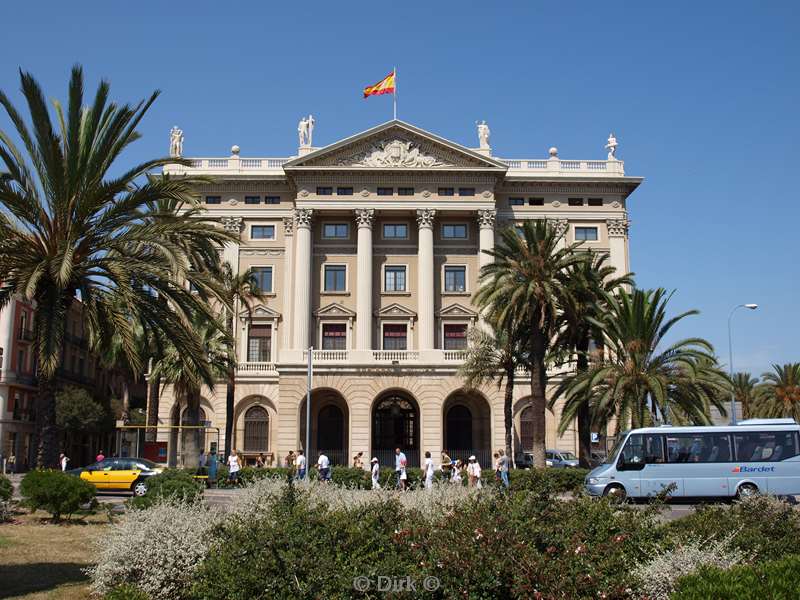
[[616, 493], [746, 490]]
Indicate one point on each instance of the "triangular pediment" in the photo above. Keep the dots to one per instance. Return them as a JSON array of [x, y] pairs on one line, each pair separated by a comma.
[[334, 310], [395, 145], [456, 311], [395, 310], [260, 312]]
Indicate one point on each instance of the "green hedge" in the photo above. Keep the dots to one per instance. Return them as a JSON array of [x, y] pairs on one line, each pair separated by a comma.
[[170, 484], [776, 580], [6, 489], [55, 492]]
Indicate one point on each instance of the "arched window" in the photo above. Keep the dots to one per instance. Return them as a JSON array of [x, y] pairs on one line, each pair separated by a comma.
[[256, 430], [459, 428], [526, 429], [395, 423]]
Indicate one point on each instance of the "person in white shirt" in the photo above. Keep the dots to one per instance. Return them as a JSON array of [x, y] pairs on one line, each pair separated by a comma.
[[300, 465], [324, 467], [376, 471], [455, 475], [474, 472], [400, 464], [427, 471], [234, 465], [63, 459]]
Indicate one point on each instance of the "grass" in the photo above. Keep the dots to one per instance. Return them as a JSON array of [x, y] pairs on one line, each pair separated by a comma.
[[40, 560]]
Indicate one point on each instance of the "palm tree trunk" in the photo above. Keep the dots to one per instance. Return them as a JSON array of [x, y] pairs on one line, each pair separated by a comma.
[[153, 390], [126, 401], [508, 407], [230, 395], [538, 399], [584, 415], [191, 437], [46, 428]]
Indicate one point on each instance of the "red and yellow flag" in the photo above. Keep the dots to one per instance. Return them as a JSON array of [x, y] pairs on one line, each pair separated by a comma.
[[384, 86]]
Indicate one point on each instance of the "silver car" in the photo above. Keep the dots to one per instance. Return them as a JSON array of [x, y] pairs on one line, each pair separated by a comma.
[[554, 458]]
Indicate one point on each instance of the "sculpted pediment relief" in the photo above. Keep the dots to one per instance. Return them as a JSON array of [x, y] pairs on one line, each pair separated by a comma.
[[334, 310], [395, 310], [456, 311]]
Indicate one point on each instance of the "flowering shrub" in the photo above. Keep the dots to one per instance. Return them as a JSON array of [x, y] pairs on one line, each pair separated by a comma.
[[55, 492], [658, 576], [157, 549], [170, 485]]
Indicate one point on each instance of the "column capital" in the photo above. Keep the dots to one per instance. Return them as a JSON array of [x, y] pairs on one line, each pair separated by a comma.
[[425, 217], [232, 224], [288, 226], [302, 217], [561, 226], [617, 227], [365, 217], [486, 218]]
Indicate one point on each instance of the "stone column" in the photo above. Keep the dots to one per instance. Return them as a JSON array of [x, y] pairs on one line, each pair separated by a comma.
[[618, 244], [562, 227], [288, 296], [364, 219], [425, 303], [302, 292], [486, 219], [230, 253]]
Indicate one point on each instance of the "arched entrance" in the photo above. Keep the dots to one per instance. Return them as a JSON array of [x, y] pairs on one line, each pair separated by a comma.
[[395, 424], [329, 427], [467, 427]]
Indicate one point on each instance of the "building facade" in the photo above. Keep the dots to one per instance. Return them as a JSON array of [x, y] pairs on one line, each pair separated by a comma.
[[368, 250]]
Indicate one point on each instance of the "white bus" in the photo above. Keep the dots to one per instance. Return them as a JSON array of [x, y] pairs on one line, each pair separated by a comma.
[[754, 456]]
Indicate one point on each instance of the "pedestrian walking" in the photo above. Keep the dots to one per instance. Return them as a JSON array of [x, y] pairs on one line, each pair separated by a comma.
[[447, 464], [290, 460], [234, 466], [261, 462], [504, 465], [376, 470], [427, 471], [400, 464], [455, 473], [324, 467], [300, 465], [474, 472], [63, 459], [213, 468], [496, 457], [358, 462]]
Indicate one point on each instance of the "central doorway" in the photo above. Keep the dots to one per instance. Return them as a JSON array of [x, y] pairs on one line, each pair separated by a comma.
[[395, 424]]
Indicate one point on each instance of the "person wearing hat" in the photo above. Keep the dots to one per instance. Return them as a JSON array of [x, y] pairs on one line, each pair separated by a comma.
[[376, 470], [474, 472]]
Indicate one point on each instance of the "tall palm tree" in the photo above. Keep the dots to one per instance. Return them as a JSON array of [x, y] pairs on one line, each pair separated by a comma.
[[744, 387], [778, 394], [640, 379], [590, 281], [188, 376], [522, 290], [70, 229], [493, 355]]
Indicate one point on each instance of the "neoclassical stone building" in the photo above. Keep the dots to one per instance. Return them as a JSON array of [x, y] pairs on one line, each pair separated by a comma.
[[369, 251]]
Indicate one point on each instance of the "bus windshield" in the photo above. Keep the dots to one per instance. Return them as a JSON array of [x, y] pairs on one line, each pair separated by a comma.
[[612, 455]]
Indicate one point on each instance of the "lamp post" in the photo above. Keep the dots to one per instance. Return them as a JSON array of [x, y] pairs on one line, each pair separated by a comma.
[[730, 355]]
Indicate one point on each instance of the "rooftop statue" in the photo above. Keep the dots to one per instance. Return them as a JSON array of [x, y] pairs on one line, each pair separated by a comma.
[[483, 135], [305, 131], [611, 146], [175, 142]]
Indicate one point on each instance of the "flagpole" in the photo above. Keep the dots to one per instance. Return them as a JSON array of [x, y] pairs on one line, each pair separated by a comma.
[[394, 95]]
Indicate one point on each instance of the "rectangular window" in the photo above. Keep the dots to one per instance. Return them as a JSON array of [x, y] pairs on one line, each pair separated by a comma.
[[335, 278], [765, 446], [334, 336], [395, 337], [394, 278], [344, 191], [698, 447], [455, 337], [455, 279], [213, 199], [252, 199], [261, 277], [595, 202], [516, 201], [575, 201], [385, 191], [446, 192], [466, 191], [395, 231], [454, 231], [336, 231], [588, 234], [536, 201], [324, 191], [259, 343], [648, 448], [272, 199], [262, 232], [405, 191]]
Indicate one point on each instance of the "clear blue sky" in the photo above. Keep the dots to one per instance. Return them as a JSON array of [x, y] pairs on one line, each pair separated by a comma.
[[703, 97]]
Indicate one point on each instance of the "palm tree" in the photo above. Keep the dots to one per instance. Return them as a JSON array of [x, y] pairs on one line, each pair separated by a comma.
[[69, 230], [778, 394], [522, 290], [744, 386], [494, 355], [639, 380], [590, 281], [188, 376]]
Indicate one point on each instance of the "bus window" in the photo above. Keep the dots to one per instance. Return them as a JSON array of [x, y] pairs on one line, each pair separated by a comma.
[[698, 447], [766, 446], [642, 449]]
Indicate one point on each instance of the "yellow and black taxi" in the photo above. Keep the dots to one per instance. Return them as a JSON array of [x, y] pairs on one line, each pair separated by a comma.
[[129, 474]]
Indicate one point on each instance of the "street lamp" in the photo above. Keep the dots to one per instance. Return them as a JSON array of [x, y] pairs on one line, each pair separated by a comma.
[[730, 354]]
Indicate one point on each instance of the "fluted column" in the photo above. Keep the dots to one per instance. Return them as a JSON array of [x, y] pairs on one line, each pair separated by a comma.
[[562, 227], [618, 244], [230, 253], [425, 302], [486, 219], [302, 278], [364, 219], [288, 295]]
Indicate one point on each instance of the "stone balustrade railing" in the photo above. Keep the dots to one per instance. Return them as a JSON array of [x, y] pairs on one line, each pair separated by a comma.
[[252, 368]]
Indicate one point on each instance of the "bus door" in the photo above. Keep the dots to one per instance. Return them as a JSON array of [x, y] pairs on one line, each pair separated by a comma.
[[658, 474]]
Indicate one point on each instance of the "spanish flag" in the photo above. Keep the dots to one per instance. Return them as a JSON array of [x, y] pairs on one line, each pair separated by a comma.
[[384, 86]]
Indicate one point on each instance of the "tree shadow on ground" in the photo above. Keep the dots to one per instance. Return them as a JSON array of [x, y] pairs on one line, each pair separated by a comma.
[[21, 579]]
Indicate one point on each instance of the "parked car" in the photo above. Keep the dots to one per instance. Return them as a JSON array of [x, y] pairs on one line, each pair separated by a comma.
[[128, 474], [558, 459]]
